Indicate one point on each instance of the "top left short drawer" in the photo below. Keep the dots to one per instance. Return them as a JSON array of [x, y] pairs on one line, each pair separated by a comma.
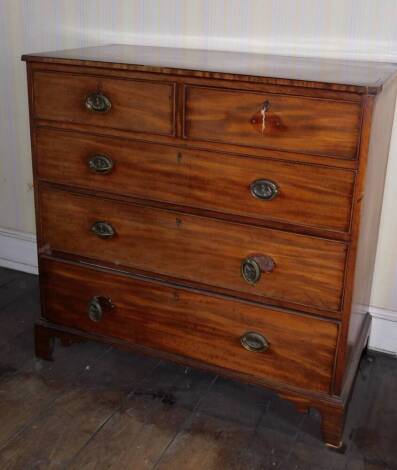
[[114, 103]]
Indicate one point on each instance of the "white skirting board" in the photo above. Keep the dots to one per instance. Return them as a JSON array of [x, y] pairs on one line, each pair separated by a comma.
[[383, 335], [18, 251]]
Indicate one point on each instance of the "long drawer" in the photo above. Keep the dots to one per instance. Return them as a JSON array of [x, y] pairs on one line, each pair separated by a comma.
[[273, 121], [132, 105], [268, 190], [278, 346], [266, 263]]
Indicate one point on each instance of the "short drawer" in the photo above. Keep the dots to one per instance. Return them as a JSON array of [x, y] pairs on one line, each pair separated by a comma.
[[273, 121], [288, 348], [277, 265], [132, 105], [302, 194]]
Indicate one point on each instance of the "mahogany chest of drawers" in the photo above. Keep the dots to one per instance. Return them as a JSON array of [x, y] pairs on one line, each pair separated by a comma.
[[217, 209]]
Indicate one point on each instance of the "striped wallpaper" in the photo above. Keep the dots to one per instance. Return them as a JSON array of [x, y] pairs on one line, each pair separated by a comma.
[[340, 28]]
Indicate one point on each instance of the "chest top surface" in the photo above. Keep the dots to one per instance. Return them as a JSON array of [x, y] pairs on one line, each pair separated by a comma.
[[354, 76]]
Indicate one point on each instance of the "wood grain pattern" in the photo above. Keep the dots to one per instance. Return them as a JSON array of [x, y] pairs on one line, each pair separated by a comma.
[[192, 324], [187, 144], [147, 422], [320, 127], [308, 195], [196, 248], [354, 76], [367, 212], [216, 147], [177, 138], [59, 416], [303, 399], [142, 106], [175, 413]]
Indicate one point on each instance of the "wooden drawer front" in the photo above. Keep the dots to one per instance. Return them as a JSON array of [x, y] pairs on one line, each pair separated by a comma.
[[307, 195], [141, 106], [200, 326], [299, 124], [309, 271]]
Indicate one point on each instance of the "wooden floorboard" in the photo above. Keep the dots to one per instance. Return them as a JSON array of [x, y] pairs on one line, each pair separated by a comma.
[[16, 286], [95, 407], [147, 421], [59, 430], [7, 275]]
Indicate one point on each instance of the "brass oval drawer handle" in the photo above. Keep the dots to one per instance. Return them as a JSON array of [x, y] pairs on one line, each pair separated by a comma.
[[103, 229], [253, 266], [97, 306], [98, 103], [100, 163], [264, 189], [254, 342]]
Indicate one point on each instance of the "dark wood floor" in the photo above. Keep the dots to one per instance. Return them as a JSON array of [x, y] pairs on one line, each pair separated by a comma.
[[96, 408]]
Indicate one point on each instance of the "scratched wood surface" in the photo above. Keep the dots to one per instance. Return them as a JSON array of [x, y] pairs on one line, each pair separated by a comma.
[[319, 127], [97, 408]]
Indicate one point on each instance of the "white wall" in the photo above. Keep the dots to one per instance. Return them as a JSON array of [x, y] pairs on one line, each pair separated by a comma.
[[364, 29]]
